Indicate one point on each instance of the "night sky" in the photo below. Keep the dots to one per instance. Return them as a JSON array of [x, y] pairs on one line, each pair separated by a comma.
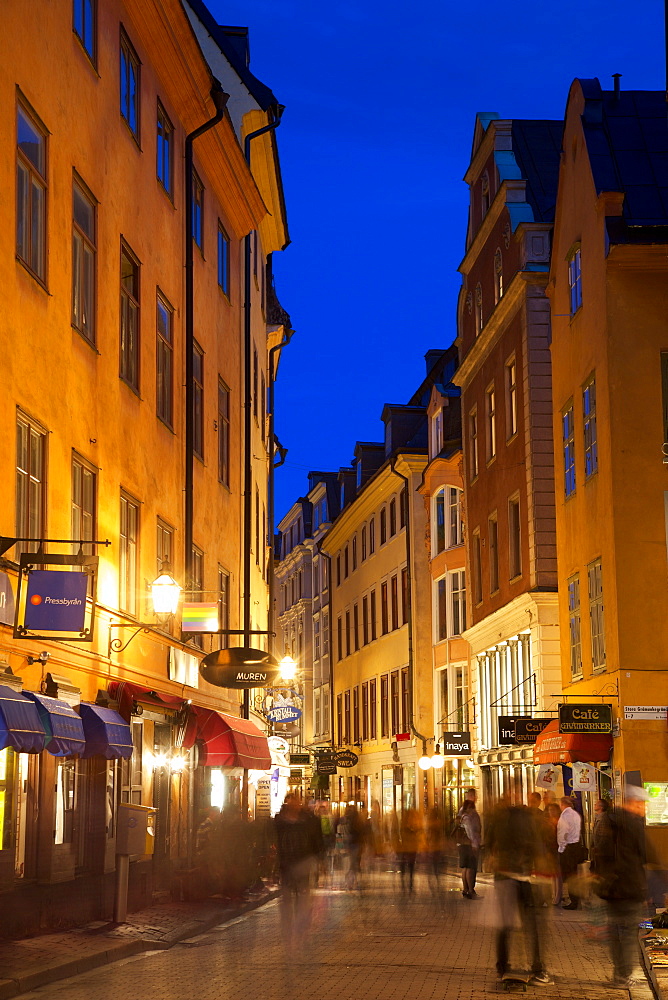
[[380, 106]]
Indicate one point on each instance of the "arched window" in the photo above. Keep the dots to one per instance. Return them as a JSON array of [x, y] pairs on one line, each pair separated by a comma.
[[498, 275]]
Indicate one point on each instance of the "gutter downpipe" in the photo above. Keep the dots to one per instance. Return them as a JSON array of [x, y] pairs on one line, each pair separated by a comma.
[[220, 99], [269, 541], [248, 448], [409, 595]]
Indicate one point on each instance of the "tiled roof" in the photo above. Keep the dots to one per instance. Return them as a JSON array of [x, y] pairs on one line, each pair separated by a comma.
[[537, 149]]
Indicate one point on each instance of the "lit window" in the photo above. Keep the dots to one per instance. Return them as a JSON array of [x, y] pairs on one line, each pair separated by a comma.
[[83, 262], [129, 346]]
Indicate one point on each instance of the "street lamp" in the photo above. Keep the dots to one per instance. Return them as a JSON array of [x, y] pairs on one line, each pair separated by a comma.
[[288, 668], [425, 761], [438, 760], [165, 592]]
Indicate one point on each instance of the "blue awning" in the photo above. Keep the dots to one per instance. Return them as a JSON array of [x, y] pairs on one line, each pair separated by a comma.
[[107, 733], [63, 727], [20, 726]]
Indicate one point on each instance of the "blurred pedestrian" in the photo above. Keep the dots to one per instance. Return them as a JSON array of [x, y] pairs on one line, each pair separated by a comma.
[[409, 833], [468, 846], [298, 844], [514, 850], [622, 882], [553, 813], [569, 831], [434, 846]]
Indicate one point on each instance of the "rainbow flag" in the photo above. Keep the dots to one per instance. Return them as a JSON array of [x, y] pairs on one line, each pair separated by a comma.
[[200, 616]]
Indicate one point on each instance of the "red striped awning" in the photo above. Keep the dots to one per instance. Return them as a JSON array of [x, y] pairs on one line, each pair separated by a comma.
[[553, 747], [227, 741]]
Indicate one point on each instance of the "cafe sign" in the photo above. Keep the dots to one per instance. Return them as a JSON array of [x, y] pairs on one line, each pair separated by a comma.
[[585, 718], [520, 730]]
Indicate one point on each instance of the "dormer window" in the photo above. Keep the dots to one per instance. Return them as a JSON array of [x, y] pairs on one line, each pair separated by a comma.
[[437, 433], [359, 473], [498, 276], [484, 192], [575, 279]]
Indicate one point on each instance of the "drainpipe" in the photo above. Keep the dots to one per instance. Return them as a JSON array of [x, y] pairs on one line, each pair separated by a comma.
[[271, 484], [248, 401], [409, 599], [220, 99]]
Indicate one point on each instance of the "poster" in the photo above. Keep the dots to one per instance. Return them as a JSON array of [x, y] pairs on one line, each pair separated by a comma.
[[584, 777], [548, 776]]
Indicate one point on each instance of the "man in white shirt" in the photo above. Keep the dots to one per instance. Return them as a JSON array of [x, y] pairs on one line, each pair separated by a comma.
[[569, 847]]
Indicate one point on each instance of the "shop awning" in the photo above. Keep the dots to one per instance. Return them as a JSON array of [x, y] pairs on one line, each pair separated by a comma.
[[20, 726], [107, 733], [553, 747], [226, 741], [128, 695], [63, 727]]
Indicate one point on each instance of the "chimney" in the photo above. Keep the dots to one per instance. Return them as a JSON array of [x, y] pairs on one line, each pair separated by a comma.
[[616, 78]]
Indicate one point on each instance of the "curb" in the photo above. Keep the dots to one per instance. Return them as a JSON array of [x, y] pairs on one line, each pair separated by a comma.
[[124, 949]]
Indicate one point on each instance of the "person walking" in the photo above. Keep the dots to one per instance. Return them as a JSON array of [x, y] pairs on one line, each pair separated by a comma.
[[553, 813], [569, 829], [620, 880], [298, 844], [469, 847], [409, 832], [514, 850]]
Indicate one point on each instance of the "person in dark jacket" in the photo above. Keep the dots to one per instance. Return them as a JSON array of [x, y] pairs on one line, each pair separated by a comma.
[[619, 861], [299, 843], [515, 850]]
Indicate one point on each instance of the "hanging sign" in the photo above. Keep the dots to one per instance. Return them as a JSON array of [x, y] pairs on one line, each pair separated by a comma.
[[55, 601], [585, 718], [456, 744], [584, 777], [300, 759], [240, 667], [325, 765], [199, 616], [346, 758], [284, 713], [548, 776]]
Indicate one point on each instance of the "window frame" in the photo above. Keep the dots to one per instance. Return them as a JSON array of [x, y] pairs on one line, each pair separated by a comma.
[[568, 449], [223, 433], [130, 356], [574, 260], [574, 624], [511, 397], [514, 538], [128, 102], [596, 615], [198, 401], [36, 176], [89, 244], [83, 6], [223, 263], [490, 422], [164, 362], [85, 518], [30, 518], [165, 151], [128, 555], [197, 195], [589, 427]]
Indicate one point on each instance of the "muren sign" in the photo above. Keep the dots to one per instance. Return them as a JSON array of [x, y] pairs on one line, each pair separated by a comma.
[[240, 667], [585, 718]]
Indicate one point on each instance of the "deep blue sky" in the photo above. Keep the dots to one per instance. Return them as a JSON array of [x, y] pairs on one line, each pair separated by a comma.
[[380, 106]]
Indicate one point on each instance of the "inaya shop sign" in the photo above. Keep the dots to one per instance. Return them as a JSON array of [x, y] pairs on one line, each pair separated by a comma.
[[457, 744], [520, 729], [585, 718], [346, 758], [239, 667]]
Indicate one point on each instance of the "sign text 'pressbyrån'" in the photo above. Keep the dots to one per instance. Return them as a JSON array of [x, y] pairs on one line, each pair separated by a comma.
[[585, 718]]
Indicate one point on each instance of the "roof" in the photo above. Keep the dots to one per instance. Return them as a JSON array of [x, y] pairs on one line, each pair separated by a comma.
[[232, 42], [627, 142], [537, 149]]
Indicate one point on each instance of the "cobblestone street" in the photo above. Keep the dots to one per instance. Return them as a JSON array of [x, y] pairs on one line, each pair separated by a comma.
[[365, 944]]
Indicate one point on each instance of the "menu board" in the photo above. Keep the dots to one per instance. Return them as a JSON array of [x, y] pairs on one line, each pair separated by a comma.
[[657, 806]]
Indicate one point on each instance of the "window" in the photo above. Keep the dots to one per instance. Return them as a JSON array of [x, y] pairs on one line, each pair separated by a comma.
[[514, 538], [338, 570], [384, 624], [575, 280], [255, 380], [476, 565], [383, 525], [129, 86], [345, 563], [223, 433], [596, 623], [356, 627], [9, 762], [478, 310], [393, 517], [325, 634], [356, 714], [395, 718], [493, 534], [263, 408], [257, 536], [664, 400], [574, 624], [325, 708], [164, 547], [405, 700], [198, 400], [372, 611], [439, 522], [365, 711], [457, 583], [568, 436], [372, 536], [450, 605], [589, 418], [83, 504], [365, 621], [131, 770], [65, 800], [372, 709], [83, 262], [441, 610], [316, 713], [129, 362], [455, 524], [473, 444], [394, 601], [339, 638], [490, 416], [363, 542], [346, 717], [316, 639], [354, 552], [197, 586], [347, 633], [164, 364], [384, 706], [31, 192], [498, 276], [339, 718], [511, 398], [83, 25], [223, 261], [403, 507], [165, 150], [127, 555], [198, 211], [30, 482], [436, 433]]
